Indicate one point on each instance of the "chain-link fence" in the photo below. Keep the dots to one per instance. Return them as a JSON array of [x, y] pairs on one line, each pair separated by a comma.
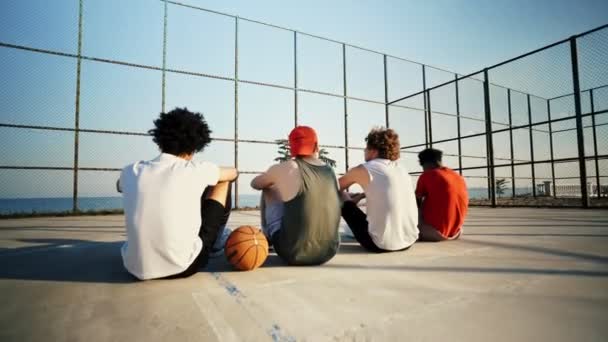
[[84, 80], [530, 131]]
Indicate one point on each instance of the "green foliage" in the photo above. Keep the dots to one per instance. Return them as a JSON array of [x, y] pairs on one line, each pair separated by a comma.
[[324, 156], [501, 186], [285, 155]]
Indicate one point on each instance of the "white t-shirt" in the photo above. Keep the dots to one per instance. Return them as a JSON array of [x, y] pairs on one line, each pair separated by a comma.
[[392, 212], [162, 203]]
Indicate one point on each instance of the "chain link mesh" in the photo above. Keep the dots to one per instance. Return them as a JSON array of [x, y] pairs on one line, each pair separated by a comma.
[[528, 154]]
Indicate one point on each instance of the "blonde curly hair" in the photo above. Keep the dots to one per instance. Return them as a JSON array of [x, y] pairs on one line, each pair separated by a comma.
[[385, 141]]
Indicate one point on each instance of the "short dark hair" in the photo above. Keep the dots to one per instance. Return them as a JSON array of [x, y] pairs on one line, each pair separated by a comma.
[[431, 156], [385, 141], [181, 131]]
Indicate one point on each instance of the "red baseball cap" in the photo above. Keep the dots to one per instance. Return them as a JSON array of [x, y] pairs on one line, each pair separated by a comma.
[[302, 141]]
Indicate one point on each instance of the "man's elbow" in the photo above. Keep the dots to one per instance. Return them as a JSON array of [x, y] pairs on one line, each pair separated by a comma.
[[228, 174], [261, 182], [234, 174], [255, 184], [343, 184]]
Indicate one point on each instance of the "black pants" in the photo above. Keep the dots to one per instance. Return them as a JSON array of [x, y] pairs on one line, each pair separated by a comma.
[[213, 218], [357, 222]]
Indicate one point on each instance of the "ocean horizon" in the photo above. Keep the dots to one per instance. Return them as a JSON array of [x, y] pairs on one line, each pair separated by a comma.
[[39, 205]]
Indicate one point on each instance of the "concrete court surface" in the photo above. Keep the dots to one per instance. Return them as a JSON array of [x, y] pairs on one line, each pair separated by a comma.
[[516, 275]]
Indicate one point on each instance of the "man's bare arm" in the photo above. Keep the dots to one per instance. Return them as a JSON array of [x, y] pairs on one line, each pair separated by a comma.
[[266, 179], [356, 175], [228, 174], [262, 182]]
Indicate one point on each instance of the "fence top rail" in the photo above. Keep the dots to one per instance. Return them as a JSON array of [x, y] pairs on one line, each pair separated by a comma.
[[460, 78], [159, 68], [582, 91], [177, 3]]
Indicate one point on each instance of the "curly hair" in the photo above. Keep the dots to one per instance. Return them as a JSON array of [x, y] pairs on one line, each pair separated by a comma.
[[385, 141], [181, 132]]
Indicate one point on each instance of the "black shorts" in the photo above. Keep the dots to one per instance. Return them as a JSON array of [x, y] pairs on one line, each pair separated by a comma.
[[213, 217], [357, 222]]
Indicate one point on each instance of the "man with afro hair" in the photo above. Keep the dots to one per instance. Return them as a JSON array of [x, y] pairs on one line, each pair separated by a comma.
[[175, 207]]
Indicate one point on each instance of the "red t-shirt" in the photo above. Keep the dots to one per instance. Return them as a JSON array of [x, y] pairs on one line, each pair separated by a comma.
[[445, 200]]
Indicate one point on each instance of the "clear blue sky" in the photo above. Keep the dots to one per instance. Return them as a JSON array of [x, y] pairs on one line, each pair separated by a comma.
[[462, 36]]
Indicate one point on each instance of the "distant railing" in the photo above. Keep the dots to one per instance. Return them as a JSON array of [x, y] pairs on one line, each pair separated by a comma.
[[571, 190]]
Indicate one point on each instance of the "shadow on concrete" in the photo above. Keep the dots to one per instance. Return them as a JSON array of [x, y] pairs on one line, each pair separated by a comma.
[[456, 269], [61, 227], [70, 229], [537, 249], [352, 248], [569, 225], [221, 265], [74, 260], [65, 260], [538, 234], [582, 221]]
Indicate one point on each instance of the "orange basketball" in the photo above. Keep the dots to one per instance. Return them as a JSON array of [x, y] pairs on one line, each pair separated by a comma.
[[246, 248]]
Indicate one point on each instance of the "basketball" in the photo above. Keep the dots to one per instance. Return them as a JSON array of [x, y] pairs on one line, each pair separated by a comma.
[[246, 248]]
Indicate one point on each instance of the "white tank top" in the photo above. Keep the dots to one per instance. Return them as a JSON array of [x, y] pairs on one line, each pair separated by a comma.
[[392, 212]]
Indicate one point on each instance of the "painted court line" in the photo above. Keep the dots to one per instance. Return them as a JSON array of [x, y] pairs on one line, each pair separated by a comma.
[[241, 308], [214, 317]]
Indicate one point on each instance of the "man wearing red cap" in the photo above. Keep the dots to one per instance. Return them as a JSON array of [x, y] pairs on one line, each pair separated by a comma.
[[300, 203]]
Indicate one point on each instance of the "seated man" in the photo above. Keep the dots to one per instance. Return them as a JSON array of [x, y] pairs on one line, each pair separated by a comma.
[[392, 217], [175, 208], [442, 198], [300, 203]]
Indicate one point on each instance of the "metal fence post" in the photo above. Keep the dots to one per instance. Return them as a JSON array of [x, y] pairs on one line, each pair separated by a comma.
[[77, 112], [295, 78], [430, 118], [551, 149], [579, 123], [531, 146], [345, 108], [236, 108], [489, 140], [458, 125], [511, 142], [595, 151], [426, 120], [163, 91], [386, 109]]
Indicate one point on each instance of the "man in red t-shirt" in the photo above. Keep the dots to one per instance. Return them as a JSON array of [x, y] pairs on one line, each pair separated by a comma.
[[442, 199]]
